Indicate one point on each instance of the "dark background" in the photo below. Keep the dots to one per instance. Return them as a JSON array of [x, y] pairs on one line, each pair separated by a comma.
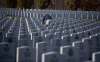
[[52, 4]]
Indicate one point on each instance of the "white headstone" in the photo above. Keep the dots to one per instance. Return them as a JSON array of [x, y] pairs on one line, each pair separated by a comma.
[[25, 54]]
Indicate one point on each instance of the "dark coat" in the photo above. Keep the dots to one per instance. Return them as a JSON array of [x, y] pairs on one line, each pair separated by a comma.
[[46, 17]]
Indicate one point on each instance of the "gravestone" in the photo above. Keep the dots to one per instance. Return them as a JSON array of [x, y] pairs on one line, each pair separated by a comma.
[[69, 54], [41, 47], [50, 57], [25, 54]]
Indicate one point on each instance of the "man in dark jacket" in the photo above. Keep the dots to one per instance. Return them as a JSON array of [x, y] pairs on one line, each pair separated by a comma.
[[46, 20]]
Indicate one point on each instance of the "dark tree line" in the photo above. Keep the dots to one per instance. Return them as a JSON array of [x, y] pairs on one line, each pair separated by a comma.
[[46, 4]]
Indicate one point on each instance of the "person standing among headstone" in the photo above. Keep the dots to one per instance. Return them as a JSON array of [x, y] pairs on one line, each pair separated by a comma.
[[46, 20]]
